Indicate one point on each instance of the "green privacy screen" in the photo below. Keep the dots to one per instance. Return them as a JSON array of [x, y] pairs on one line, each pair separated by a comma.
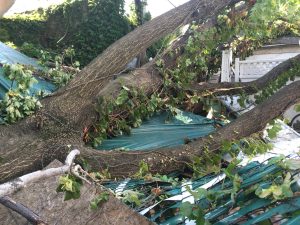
[[162, 130]]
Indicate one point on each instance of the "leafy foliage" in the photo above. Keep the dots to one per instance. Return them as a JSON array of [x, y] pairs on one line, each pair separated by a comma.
[[193, 212], [277, 191], [278, 83], [273, 131], [57, 74], [17, 102], [100, 199], [138, 14], [101, 22], [130, 107], [276, 187], [131, 197], [70, 185]]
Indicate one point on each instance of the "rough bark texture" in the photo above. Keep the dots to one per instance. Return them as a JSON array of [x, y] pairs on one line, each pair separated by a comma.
[[75, 102], [25, 147], [161, 160], [36, 141], [42, 198], [246, 87], [168, 160], [80, 95]]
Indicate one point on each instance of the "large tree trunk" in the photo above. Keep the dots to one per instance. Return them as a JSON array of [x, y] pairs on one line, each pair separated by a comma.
[[36, 151], [36, 141], [172, 159], [75, 102]]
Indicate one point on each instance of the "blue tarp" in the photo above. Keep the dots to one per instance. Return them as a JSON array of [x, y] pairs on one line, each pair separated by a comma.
[[11, 56], [159, 131]]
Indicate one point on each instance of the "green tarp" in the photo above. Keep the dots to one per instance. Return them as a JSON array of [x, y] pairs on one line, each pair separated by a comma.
[[162, 130], [11, 56]]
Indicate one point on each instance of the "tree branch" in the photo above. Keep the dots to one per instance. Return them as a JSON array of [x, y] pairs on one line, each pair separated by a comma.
[[15, 185], [246, 87]]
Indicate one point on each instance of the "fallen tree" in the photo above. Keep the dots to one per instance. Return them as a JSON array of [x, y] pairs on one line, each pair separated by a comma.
[[36, 141], [72, 108]]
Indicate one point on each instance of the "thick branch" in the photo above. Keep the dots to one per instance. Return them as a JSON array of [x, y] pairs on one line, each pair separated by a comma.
[[15, 185], [34, 148], [168, 160], [246, 87], [81, 94]]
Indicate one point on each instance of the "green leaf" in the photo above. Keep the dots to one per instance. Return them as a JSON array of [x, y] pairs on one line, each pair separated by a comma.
[[186, 209], [292, 164], [198, 193], [100, 199], [273, 131], [123, 96]]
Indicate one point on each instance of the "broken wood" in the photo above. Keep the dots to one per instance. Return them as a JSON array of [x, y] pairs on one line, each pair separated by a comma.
[[67, 112]]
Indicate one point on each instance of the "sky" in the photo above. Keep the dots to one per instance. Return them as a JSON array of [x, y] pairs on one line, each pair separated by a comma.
[[156, 7]]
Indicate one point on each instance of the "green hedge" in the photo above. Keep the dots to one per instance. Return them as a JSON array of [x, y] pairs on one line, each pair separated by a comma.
[[90, 26]]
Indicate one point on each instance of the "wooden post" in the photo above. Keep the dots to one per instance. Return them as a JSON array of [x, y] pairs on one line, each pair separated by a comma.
[[226, 63], [237, 70]]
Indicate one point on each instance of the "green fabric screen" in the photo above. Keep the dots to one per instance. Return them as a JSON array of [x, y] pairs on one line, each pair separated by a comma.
[[162, 130]]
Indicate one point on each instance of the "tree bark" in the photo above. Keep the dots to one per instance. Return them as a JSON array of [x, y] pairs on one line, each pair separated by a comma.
[[75, 102], [171, 159], [161, 160], [246, 87], [36, 141]]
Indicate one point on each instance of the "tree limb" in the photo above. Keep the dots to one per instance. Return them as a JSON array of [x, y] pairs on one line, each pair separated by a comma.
[[15, 185], [171, 159], [246, 87]]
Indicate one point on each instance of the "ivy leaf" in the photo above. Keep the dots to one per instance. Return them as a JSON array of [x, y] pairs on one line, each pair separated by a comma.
[[132, 197], [100, 199], [273, 131], [198, 193], [292, 164], [70, 185], [123, 96], [186, 209]]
